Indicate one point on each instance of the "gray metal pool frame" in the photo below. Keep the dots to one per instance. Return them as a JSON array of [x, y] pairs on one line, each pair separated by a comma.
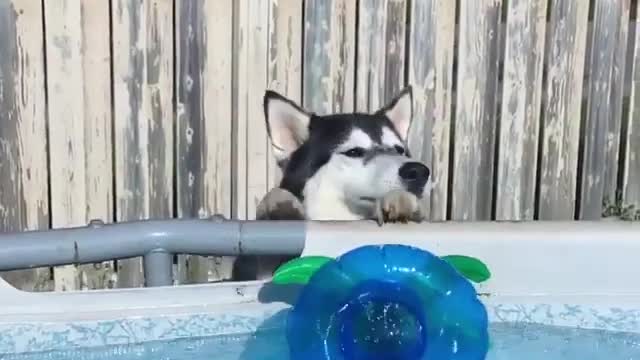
[[155, 240], [158, 240]]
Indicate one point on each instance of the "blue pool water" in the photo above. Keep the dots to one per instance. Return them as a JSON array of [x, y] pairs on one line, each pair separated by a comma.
[[510, 341]]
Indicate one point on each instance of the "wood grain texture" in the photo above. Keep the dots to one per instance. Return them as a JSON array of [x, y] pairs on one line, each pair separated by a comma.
[[66, 124], [143, 92], [520, 113], [249, 84], [631, 176], [431, 46], [329, 55], [203, 78], [600, 124], [562, 109], [79, 113], [476, 103], [23, 139], [380, 52], [617, 95], [285, 62]]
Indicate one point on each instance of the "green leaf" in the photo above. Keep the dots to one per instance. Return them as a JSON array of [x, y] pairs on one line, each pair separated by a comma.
[[299, 270], [471, 268]]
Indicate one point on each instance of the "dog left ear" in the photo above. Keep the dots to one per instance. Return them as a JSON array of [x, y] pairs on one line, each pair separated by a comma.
[[287, 125], [400, 112]]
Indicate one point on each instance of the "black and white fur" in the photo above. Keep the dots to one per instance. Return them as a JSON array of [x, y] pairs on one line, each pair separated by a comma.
[[348, 166]]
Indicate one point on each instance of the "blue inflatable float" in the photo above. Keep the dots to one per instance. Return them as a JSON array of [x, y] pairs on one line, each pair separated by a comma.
[[388, 302]]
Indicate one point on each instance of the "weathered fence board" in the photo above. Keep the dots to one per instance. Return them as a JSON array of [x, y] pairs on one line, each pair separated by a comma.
[[143, 115], [520, 113], [98, 132], [631, 175], [249, 84], [611, 186], [562, 109], [329, 55], [476, 110], [380, 52], [431, 46], [600, 124], [79, 115], [203, 82], [23, 139], [285, 61]]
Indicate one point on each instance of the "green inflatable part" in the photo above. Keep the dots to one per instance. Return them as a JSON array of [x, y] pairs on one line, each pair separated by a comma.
[[299, 270], [471, 268]]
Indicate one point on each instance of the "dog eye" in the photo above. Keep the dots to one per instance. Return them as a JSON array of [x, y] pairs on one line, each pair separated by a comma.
[[355, 152], [399, 149]]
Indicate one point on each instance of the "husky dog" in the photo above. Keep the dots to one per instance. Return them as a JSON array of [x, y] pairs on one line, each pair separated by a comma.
[[347, 166]]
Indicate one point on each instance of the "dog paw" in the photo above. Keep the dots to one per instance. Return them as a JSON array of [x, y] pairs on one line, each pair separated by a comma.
[[398, 206], [280, 204]]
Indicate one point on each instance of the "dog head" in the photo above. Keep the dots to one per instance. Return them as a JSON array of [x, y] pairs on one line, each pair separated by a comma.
[[339, 165]]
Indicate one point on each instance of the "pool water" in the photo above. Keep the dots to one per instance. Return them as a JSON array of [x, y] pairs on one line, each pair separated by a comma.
[[509, 341]]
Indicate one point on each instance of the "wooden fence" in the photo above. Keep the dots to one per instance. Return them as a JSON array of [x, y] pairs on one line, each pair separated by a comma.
[[123, 109]]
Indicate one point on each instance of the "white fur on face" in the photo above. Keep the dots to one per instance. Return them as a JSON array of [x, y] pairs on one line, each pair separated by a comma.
[[346, 188], [324, 193], [377, 176], [357, 138], [389, 138], [324, 197]]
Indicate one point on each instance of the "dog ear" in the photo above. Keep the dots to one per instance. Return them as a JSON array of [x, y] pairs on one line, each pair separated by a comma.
[[287, 124], [400, 112]]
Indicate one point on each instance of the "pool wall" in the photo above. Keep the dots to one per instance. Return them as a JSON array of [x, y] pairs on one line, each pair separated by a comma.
[[579, 274]]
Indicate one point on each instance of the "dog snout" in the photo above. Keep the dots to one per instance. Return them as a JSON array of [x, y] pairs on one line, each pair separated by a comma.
[[415, 176]]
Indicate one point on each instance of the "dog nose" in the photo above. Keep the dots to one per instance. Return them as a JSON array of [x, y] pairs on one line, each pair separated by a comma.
[[414, 175]]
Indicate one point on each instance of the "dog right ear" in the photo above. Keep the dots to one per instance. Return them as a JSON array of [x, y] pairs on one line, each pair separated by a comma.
[[287, 124]]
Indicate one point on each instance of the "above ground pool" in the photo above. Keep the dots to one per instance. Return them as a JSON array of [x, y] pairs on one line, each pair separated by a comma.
[[513, 341], [507, 293], [535, 331]]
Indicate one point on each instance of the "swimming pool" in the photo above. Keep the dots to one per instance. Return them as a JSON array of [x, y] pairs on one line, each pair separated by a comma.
[[511, 340], [558, 291], [527, 329]]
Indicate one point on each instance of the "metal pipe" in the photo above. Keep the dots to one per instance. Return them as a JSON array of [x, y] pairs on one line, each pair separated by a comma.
[[158, 268], [101, 242]]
